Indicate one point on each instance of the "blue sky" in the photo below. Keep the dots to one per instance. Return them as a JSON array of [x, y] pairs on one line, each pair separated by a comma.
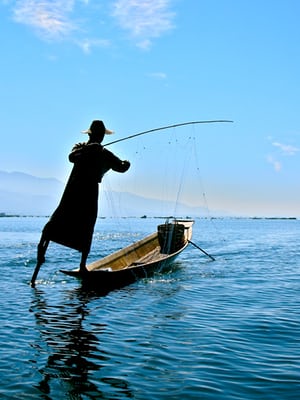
[[143, 64]]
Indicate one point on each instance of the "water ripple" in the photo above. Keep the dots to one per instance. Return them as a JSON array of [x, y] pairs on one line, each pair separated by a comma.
[[223, 329]]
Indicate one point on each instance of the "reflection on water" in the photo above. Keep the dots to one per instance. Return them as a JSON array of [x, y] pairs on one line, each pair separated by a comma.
[[73, 353], [204, 330]]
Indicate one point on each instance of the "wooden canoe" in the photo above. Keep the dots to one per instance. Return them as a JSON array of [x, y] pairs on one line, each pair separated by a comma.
[[140, 259]]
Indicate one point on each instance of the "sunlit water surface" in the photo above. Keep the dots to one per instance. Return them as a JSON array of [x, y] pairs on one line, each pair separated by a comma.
[[228, 329]]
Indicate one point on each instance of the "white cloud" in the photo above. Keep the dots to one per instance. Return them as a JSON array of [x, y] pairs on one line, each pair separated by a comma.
[[49, 17], [144, 19], [283, 150], [74, 20], [87, 44], [286, 149], [54, 20], [275, 163], [158, 75]]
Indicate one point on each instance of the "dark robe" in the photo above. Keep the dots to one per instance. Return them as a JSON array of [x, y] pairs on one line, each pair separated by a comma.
[[72, 223]]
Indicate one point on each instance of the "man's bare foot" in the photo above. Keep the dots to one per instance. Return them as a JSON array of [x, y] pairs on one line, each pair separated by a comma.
[[83, 270]]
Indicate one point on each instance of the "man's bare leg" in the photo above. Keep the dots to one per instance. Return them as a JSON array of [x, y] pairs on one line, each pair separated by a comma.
[[84, 256], [41, 251]]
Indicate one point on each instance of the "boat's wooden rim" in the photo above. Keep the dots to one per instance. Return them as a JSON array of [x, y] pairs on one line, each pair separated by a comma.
[[143, 253]]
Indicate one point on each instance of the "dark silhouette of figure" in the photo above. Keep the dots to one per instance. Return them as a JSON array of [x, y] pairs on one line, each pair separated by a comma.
[[72, 223]]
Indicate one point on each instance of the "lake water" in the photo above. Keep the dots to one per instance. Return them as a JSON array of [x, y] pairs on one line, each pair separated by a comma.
[[224, 329]]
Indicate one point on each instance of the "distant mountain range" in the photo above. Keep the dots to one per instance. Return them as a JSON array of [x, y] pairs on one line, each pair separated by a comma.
[[28, 195], [24, 194]]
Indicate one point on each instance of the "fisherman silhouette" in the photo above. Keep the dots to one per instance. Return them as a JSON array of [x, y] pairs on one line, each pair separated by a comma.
[[72, 223]]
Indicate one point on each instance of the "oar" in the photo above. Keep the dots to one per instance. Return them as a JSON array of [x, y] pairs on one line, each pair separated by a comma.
[[203, 251]]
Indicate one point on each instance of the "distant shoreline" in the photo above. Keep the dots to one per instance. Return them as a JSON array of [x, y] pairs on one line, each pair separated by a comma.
[[4, 215]]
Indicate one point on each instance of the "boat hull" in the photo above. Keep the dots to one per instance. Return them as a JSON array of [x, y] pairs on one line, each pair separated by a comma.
[[139, 260], [116, 279]]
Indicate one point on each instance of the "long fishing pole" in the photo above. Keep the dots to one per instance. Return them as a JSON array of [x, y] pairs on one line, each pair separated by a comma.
[[168, 127]]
